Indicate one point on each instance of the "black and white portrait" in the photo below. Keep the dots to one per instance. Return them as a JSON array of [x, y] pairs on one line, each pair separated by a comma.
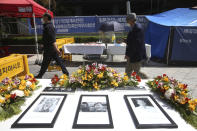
[[141, 102], [47, 104], [93, 107]]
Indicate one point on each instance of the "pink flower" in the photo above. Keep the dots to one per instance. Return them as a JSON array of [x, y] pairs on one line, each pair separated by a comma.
[[96, 72]]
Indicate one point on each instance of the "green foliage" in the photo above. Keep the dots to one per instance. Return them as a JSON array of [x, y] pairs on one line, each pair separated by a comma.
[[30, 40], [11, 109]]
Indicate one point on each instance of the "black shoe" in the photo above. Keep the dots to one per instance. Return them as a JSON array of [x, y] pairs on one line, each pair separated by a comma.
[[38, 77], [67, 73]]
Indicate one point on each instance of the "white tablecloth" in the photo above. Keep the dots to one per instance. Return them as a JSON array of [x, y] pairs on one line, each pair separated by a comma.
[[78, 48], [116, 49], [121, 118], [120, 49]]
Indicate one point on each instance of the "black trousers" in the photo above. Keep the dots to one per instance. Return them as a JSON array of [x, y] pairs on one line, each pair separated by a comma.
[[47, 57]]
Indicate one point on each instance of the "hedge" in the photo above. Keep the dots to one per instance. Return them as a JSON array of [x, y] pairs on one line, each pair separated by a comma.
[[30, 40]]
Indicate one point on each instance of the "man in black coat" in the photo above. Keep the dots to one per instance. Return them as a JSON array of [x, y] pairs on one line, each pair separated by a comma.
[[135, 51], [51, 50]]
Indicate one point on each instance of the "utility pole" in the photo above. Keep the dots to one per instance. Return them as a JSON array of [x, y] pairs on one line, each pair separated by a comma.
[[128, 5]]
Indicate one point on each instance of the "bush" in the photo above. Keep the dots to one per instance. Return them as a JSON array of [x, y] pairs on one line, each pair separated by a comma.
[[30, 40]]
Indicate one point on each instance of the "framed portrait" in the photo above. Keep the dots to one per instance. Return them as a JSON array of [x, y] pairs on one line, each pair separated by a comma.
[[138, 88], [58, 89], [42, 113], [147, 113], [93, 112]]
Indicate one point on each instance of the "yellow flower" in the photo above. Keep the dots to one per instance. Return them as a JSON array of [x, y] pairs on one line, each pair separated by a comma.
[[61, 83], [31, 75], [166, 87], [192, 107], [182, 102], [22, 77], [83, 84], [125, 78], [27, 92], [195, 100], [2, 101], [33, 86], [115, 74], [22, 87], [96, 86], [64, 76], [90, 76], [79, 71], [181, 85], [166, 79], [100, 75], [23, 82], [152, 83], [7, 96], [176, 97], [183, 93], [114, 83]]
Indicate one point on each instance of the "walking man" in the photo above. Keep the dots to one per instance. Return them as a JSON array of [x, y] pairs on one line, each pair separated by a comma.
[[50, 48], [135, 51]]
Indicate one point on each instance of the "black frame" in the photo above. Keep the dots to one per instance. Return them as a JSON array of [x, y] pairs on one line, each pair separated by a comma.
[[58, 89], [39, 125], [93, 126], [148, 126]]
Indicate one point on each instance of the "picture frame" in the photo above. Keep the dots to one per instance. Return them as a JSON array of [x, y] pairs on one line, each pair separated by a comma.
[[147, 113], [46, 106], [138, 88], [58, 89], [93, 112]]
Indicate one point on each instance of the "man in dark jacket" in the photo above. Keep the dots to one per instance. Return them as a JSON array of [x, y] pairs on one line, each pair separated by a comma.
[[50, 48], [135, 51]]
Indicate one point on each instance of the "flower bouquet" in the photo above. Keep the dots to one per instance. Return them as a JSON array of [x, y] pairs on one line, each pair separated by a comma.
[[95, 77], [13, 93], [176, 93]]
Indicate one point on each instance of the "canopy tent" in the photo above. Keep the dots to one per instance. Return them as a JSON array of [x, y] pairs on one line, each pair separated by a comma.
[[172, 35], [23, 9]]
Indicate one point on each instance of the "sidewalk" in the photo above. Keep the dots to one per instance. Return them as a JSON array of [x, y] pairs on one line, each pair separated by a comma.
[[184, 74]]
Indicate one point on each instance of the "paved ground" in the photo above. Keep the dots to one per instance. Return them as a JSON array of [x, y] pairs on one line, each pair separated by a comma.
[[184, 74]]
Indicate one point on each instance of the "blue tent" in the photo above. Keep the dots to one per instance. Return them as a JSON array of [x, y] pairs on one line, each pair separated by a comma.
[[173, 35]]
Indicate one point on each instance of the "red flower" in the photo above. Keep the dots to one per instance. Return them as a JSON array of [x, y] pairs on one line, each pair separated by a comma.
[[158, 77], [13, 96], [185, 86], [156, 82], [33, 80], [133, 74], [164, 75], [55, 79], [138, 78], [187, 99]]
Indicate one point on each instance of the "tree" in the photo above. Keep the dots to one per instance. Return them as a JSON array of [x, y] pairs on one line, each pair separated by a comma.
[[45, 3]]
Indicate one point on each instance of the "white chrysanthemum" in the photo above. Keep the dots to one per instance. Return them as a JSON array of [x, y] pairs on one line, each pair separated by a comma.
[[169, 93], [28, 83], [18, 93], [110, 74]]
